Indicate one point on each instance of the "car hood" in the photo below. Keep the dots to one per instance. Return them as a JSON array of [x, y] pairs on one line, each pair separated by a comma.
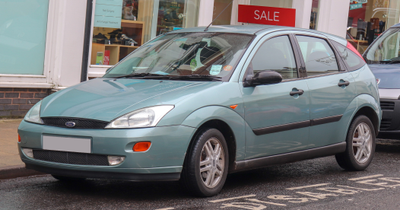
[[108, 98], [389, 75]]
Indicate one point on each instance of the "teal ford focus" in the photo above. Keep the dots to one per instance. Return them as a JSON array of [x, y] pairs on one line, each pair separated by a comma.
[[196, 104]]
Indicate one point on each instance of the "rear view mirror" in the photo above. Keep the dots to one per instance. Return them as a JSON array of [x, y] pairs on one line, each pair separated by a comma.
[[264, 78]]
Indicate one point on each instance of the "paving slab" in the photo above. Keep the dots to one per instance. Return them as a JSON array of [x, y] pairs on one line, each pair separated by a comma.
[[11, 165]]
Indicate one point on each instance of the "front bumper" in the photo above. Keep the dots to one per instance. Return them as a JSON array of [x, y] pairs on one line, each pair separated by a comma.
[[164, 159], [390, 124]]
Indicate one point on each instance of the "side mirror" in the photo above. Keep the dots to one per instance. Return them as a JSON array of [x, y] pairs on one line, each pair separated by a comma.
[[264, 78]]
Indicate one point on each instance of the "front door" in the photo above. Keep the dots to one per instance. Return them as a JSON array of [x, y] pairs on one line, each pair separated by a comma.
[[277, 114]]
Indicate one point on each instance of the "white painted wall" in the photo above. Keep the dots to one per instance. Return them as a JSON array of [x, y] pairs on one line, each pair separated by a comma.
[[205, 12], [332, 16], [72, 39], [303, 12]]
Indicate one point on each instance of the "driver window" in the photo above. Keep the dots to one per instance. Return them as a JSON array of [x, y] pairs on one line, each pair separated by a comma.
[[275, 54]]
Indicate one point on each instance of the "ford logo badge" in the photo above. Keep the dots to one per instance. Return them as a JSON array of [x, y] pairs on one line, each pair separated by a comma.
[[70, 124]]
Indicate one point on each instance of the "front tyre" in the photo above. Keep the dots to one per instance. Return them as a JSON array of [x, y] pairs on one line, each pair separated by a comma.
[[206, 165], [360, 145]]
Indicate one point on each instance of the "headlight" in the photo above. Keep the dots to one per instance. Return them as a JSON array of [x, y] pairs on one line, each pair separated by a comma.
[[147, 117], [33, 114]]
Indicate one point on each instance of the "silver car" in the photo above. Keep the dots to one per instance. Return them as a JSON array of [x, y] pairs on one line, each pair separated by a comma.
[[383, 57]]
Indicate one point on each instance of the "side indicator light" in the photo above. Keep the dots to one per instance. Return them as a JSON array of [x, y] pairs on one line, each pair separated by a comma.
[[141, 146], [233, 106], [19, 138]]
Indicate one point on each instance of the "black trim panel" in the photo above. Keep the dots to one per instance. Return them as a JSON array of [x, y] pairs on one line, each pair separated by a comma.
[[296, 125], [289, 157], [279, 128], [105, 175], [324, 120]]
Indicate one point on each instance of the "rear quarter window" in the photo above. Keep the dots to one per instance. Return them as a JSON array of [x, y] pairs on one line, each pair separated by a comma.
[[352, 60]]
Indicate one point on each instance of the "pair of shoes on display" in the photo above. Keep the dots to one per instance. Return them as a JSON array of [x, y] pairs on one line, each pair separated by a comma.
[[117, 37], [127, 40], [100, 38]]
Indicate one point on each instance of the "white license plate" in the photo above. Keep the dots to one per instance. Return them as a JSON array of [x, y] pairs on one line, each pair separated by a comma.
[[67, 144]]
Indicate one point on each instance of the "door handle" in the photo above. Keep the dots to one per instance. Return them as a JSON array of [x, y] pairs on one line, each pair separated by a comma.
[[343, 82], [296, 92]]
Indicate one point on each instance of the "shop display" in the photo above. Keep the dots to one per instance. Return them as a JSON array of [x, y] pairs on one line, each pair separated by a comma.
[[170, 16], [119, 42], [368, 19], [129, 9]]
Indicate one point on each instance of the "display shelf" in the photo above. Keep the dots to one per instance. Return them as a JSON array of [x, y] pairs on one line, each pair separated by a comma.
[[132, 29], [117, 52]]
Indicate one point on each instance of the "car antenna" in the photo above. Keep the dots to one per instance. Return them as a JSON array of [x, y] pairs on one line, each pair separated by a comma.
[[206, 29]]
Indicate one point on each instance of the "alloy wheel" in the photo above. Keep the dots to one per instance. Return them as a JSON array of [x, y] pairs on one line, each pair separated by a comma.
[[212, 163], [362, 143]]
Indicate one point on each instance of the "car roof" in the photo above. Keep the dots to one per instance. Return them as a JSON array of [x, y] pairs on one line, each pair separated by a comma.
[[253, 29], [241, 29]]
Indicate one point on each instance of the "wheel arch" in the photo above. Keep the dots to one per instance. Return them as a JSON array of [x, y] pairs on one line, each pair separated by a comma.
[[226, 131], [229, 122], [371, 114]]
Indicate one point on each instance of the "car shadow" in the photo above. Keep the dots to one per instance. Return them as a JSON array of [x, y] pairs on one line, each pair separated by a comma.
[[388, 145]]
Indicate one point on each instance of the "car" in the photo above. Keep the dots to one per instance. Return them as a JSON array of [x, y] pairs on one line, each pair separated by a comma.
[[196, 104], [383, 58]]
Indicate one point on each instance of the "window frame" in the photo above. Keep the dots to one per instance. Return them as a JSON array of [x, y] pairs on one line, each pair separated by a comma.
[[339, 61], [348, 68]]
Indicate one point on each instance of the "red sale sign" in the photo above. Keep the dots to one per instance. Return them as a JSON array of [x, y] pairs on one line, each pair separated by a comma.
[[267, 15]]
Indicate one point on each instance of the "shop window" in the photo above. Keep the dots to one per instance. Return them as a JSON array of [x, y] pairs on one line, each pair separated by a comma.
[[368, 19], [116, 32], [171, 16], [23, 26], [121, 26]]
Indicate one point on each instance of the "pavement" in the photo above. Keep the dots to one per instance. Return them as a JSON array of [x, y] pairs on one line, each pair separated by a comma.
[[11, 165]]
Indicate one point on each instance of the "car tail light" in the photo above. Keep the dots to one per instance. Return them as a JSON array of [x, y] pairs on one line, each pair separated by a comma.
[[141, 146], [19, 138], [350, 47]]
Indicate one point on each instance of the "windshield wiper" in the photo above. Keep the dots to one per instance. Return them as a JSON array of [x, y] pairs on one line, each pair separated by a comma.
[[196, 77], [144, 76], [392, 60]]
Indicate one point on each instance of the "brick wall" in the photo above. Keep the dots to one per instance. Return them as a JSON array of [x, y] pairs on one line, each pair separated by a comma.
[[15, 102]]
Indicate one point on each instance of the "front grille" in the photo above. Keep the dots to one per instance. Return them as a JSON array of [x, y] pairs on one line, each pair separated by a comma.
[[385, 124], [79, 123], [387, 105], [71, 157]]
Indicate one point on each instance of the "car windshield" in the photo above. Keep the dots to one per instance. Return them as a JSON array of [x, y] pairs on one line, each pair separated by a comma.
[[185, 56], [385, 50]]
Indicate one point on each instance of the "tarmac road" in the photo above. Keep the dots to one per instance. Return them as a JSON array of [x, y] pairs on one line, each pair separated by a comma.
[[312, 184]]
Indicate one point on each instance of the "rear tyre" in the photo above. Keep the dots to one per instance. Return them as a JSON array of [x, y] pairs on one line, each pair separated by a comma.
[[68, 179], [360, 145], [206, 165]]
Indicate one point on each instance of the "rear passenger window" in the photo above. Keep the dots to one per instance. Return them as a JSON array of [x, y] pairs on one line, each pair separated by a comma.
[[318, 56], [276, 54], [352, 60]]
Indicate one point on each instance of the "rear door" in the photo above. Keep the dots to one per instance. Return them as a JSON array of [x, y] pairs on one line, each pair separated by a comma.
[[331, 88]]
